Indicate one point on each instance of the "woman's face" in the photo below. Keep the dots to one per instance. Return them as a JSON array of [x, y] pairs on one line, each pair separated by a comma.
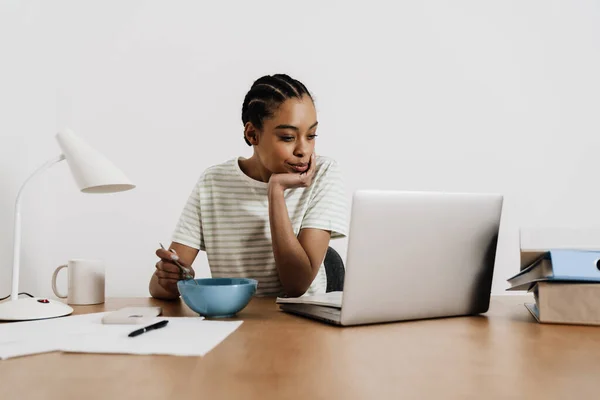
[[287, 139]]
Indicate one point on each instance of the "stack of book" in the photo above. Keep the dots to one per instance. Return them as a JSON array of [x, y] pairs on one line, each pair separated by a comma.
[[565, 284]]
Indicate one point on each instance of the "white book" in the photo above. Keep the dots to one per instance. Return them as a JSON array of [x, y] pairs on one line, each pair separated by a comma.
[[566, 303], [331, 299]]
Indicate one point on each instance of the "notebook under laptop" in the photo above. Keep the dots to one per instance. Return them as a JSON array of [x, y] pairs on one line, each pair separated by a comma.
[[412, 255]]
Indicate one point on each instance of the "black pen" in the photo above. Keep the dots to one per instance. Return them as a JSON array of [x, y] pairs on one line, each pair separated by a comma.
[[157, 325]]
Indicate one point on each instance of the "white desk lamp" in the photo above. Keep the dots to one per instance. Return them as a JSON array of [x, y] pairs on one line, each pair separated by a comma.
[[93, 173]]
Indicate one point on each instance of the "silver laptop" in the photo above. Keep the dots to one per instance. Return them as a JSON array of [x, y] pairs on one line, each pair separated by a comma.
[[414, 255]]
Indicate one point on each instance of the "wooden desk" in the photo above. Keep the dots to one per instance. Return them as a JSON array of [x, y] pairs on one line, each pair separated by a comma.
[[503, 354]]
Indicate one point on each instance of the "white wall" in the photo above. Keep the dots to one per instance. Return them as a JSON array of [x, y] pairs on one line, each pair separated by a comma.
[[461, 96]]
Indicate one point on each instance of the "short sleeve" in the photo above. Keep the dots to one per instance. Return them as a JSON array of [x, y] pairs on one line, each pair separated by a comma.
[[188, 230], [327, 208]]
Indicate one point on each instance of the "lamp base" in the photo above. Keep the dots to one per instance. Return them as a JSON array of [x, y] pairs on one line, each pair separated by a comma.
[[32, 308]]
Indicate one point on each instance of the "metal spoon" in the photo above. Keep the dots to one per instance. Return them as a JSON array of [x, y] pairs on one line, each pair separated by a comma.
[[185, 272]]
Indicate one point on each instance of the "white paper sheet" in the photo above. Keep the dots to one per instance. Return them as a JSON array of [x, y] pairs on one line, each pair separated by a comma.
[[183, 336], [42, 336], [330, 299]]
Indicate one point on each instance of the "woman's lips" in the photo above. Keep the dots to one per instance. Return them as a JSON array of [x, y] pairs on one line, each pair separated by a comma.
[[299, 167]]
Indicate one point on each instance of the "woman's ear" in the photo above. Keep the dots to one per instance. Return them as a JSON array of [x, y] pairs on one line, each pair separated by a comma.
[[251, 133]]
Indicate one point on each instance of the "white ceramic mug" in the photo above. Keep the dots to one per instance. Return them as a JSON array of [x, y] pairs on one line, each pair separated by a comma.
[[86, 282]]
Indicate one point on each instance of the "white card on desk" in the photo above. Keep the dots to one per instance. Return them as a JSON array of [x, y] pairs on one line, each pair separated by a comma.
[[132, 315]]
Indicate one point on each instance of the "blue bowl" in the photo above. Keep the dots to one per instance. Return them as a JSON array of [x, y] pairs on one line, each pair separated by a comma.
[[217, 297]]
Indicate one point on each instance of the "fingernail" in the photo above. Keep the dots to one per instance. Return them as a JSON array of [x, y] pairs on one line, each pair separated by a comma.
[[174, 257]]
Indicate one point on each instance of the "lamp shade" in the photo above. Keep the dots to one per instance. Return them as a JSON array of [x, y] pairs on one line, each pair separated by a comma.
[[93, 172]]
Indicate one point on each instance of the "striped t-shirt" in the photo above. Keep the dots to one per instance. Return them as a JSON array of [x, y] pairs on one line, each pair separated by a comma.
[[227, 215]]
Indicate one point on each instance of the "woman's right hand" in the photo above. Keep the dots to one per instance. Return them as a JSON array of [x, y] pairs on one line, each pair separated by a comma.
[[168, 273]]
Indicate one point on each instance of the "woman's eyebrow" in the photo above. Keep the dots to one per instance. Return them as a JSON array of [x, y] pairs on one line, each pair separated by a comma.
[[295, 128]]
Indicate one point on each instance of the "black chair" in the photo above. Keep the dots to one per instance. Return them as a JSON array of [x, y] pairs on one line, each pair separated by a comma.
[[335, 271]]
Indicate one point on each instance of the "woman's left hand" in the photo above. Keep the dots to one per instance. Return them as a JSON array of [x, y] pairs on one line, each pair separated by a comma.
[[294, 180]]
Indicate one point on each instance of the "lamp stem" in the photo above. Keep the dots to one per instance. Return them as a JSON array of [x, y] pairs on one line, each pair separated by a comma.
[[14, 294]]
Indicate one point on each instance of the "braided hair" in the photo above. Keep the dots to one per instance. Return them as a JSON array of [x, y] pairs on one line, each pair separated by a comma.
[[266, 95]]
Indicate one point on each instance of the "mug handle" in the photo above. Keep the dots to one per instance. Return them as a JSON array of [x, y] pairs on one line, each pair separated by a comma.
[[54, 289]]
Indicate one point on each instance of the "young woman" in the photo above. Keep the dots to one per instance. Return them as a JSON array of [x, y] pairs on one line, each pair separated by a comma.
[[269, 217]]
